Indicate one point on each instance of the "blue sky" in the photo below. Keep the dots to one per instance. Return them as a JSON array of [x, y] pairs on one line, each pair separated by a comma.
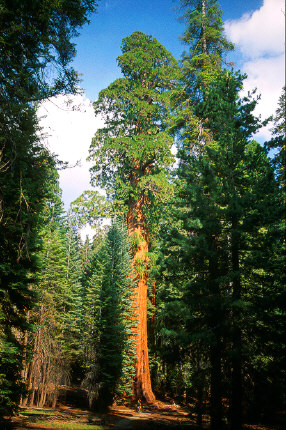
[[99, 43], [255, 26]]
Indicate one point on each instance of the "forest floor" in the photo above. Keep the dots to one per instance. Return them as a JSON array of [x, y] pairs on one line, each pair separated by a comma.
[[118, 417], [71, 413]]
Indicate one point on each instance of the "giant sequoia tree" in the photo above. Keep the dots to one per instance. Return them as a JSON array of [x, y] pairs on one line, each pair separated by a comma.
[[131, 154]]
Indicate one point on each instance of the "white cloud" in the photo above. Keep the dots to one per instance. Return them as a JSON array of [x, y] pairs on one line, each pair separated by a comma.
[[69, 124], [261, 32], [267, 75], [260, 38]]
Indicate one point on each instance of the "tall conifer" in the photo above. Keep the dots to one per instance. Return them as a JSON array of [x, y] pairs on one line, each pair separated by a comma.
[[49, 365], [110, 327], [131, 155], [217, 225], [36, 50]]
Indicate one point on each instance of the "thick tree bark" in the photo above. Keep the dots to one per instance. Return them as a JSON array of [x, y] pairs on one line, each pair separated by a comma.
[[25, 368], [216, 403], [151, 327], [143, 381], [31, 370], [236, 393], [137, 226], [216, 347]]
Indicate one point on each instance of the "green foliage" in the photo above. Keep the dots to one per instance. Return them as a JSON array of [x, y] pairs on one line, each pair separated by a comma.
[[228, 205], [277, 143], [51, 337], [90, 208], [109, 286], [116, 348], [10, 366], [140, 265], [204, 35], [91, 287], [74, 306], [35, 51], [36, 47], [132, 152], [135, 240], [201, 66], [25, 171]]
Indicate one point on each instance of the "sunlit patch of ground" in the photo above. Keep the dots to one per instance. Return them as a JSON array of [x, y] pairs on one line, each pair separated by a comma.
[[63, 417], [158, 417]]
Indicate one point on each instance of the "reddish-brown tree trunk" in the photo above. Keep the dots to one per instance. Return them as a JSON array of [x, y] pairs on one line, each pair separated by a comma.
[[24, 371], [137, 227], [152, 319]]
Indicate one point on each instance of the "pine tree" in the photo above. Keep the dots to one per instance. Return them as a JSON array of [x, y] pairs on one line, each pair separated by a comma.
[[35, 52], [25, 167], [207, 45], [109, 324], [117, 325], [278, 140], [266, 268], [49, 365], [201, 66], [222, 190], [91, 286], [74, 311]]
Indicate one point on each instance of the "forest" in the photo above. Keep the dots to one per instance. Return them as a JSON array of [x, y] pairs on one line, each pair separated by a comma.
[[179, 298]]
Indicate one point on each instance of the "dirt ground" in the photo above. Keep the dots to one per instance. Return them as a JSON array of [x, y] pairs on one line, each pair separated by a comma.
[[161, 417], [118, 417]]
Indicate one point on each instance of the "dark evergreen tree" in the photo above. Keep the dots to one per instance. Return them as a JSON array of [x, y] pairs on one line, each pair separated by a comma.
[[25, 168], [216, 223], [201, 65], [74, 309], [36, 49], [109, 290], [91, 286], [49, 362], [277, 143], [117, 325], [266, 394], [207, 45]]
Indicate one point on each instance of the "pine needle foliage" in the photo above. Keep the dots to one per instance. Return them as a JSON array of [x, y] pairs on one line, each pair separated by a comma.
[[110, 287], [25, 167], [228, 198], [36, 50], [46, 364], [207, 44]]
